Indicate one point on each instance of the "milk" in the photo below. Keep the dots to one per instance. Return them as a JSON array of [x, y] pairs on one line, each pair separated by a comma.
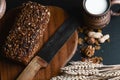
[[96, 6]]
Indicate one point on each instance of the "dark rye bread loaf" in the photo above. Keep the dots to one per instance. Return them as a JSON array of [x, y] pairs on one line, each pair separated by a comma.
[[23, 40]]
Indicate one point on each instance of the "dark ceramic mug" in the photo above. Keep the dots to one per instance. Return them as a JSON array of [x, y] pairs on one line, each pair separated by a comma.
[[98, 21], [2, 8]]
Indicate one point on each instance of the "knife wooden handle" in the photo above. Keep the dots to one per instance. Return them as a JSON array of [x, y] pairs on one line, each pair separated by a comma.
[[32, 68]]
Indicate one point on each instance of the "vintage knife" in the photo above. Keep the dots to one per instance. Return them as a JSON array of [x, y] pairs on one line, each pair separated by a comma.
[[48, 51]]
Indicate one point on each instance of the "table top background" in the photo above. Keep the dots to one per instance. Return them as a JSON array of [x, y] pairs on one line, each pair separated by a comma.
[[109, 51]]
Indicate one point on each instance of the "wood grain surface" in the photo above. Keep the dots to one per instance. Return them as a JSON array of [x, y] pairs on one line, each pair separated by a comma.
[[10, 70]]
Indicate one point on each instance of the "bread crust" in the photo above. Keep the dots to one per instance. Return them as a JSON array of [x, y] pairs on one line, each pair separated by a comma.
[[24, 39]]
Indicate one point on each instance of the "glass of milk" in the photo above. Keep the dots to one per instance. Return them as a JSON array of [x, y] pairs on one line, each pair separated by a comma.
[[97, 13], [96, 6]]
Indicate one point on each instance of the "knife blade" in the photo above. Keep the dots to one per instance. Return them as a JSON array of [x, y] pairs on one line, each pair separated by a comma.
[[49, 50], [58, 39]]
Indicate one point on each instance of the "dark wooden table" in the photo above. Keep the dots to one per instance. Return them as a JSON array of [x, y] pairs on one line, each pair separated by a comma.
[[109, 51]]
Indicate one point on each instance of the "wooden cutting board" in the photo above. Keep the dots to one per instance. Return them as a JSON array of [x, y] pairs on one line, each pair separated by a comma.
[[9, 70]]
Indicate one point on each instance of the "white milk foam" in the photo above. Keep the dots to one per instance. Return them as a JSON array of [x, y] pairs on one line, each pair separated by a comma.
[[96, 6]]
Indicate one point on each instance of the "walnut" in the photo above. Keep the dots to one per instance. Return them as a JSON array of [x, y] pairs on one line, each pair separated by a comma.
[[95, 59], [80, 30], [91, 40], [88, 51], [87, 30], [80, 41], [97, 43], [85, 38], [108, 40], [97, 47], [83, 59], [99, 30]]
